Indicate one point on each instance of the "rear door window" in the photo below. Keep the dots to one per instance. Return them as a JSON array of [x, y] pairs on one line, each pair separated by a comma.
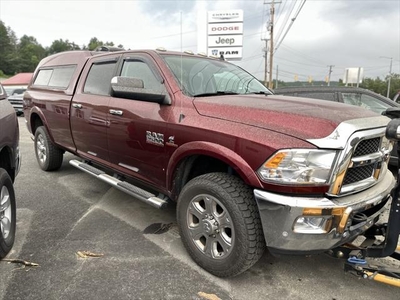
[[98, 81]]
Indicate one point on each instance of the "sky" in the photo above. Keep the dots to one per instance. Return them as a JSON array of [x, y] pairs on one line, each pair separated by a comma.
[[310, 37]]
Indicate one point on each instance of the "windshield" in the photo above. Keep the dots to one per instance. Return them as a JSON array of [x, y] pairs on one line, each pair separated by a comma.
[[203, 76], [14, 91]]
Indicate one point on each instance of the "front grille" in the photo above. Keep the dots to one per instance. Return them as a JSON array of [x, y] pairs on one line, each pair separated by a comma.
[[15, 101], [357, 174], [366, 147], [365, 169]]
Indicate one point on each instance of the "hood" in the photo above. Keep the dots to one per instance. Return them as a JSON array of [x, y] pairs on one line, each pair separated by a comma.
[[298, 117]]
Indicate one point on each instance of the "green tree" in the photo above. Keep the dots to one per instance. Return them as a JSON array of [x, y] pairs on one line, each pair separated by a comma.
[[394, 85], [61, 45], [30, 52], [7, 50], [94, 43], [380, 86]]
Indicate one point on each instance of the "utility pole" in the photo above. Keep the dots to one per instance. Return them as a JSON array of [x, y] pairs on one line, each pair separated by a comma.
[[265, 61], [271, 49], [270, 27], [390, 73], [330, 72], [276, 80]]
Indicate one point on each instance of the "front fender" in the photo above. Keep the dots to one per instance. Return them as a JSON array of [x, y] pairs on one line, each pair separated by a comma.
[[216, 151]]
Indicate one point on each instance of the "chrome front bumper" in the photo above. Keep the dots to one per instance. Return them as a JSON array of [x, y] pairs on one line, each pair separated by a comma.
[[279, 214]]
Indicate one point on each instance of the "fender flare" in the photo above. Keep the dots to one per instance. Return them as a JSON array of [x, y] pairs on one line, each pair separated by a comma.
[[219, 152], [37, 111]]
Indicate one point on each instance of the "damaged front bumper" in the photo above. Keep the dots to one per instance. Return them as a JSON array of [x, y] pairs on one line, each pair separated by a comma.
[[305, 225]]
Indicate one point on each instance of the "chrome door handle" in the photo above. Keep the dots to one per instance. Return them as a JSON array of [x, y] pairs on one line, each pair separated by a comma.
[[76, 105], [116, 112]]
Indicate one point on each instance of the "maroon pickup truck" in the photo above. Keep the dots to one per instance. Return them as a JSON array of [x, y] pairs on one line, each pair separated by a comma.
[[247, 169], [9, 166]]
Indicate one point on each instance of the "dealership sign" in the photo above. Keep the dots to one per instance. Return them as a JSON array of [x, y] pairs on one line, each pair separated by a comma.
[[225, 28], [231, 52], [225, 16], [225, 33], [225, 41]]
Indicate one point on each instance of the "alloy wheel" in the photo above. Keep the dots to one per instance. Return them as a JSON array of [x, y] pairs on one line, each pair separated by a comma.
[[5, 212], [210, 226]]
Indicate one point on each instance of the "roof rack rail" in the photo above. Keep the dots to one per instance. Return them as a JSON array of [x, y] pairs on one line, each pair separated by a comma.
[[108, 49]]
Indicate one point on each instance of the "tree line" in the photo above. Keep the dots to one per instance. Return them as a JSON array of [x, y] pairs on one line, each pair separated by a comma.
[[24, 54]]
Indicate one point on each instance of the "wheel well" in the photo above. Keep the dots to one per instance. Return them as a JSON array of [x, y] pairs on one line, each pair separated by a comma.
[[5, 162], [35, 122], [195, 166]]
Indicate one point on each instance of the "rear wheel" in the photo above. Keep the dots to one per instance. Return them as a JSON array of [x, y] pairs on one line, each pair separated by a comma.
[[49, 157], [219, 224], [7, 213]]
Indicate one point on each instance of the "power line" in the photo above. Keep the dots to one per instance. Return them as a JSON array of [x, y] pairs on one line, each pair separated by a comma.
[[295, 62], [290, 25], [284, 23], [280, 11], [302, 54]]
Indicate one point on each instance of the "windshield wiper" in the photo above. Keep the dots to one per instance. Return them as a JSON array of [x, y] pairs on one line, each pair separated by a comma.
[[260, 93], [217, 93]]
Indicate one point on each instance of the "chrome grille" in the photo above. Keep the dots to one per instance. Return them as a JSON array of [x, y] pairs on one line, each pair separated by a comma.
[[357, 174], [16, 101], [362, 156], [367, 147]]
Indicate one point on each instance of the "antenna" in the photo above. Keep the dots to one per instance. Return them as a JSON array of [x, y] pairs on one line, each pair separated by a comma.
[[181, 53], [181, 115]]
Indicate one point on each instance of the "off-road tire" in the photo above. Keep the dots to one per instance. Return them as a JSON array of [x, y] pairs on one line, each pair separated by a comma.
[[49, 156], [237, 199], [7, 213]]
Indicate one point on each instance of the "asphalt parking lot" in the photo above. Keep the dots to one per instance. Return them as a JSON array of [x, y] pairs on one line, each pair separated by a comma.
[[61, 213]]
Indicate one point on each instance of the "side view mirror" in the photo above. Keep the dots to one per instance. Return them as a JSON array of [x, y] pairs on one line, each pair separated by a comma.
[[3, 94], [392, 112], [393, 130], [133, 88]]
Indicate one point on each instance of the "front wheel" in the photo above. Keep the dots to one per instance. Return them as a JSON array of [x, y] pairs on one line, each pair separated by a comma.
[[7, 213], [219, 224], [49, 157]]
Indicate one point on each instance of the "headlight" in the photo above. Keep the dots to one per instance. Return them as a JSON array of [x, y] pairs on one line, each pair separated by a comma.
[[298, 166]]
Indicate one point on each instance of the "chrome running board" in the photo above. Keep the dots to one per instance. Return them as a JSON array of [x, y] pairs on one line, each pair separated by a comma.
[[123, 186]]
